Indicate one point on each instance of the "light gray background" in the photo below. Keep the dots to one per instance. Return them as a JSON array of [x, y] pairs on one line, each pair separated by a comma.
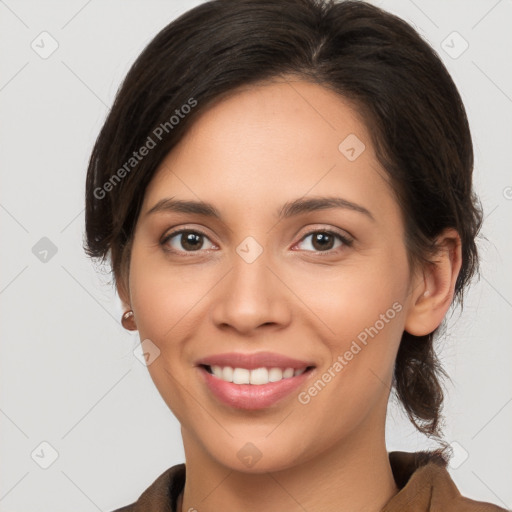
[[68, 374]]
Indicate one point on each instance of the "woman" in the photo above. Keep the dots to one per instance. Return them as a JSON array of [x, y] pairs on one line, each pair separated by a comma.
[[284, 191]]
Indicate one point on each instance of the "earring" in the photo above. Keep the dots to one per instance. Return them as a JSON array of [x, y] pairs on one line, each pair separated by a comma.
[[128, 321]]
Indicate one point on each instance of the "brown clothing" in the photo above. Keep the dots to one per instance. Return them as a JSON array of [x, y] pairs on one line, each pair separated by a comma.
[[422, 479]]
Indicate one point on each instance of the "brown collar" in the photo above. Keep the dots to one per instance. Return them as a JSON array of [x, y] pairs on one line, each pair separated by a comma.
[[422, 479], [426, 486]]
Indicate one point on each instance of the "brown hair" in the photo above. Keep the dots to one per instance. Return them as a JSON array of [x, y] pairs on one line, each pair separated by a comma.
[[404, 93]]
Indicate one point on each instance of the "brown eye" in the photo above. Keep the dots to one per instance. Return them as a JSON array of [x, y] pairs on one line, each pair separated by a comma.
[[323, 241], [185, 241]]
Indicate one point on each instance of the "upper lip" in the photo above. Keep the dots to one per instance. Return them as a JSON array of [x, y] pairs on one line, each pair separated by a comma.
[[256, 360]]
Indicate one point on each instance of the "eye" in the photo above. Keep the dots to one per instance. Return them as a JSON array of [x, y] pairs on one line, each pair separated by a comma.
[[185, 240], [323, 240], [190, 241]]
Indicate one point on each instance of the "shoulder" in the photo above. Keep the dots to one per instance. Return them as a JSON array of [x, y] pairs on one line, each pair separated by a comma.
[[425, 484], [162, 494]]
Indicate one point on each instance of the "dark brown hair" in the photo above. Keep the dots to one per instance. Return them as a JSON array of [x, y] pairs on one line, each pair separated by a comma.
[[372, 58]]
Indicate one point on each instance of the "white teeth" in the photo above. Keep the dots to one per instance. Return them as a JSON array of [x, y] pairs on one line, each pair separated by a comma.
[[257, 376], [275, 374], [288, 373], [217, 371], [241, 376], [227, 374]]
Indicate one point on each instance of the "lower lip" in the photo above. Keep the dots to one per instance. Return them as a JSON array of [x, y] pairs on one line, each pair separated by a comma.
[[252, 396]]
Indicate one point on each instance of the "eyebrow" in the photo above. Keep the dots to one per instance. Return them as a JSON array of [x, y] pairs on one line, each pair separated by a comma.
[[289, 209]]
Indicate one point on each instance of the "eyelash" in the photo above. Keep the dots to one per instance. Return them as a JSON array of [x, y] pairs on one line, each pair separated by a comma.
[[345, 240]]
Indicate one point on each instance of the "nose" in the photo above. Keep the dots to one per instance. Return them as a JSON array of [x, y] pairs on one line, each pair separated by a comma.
[[251, 296]]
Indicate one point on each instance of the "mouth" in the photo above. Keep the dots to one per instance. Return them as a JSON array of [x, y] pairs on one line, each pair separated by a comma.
[[256, 376], [252, 380]]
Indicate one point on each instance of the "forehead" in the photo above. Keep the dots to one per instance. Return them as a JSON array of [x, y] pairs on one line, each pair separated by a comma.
[[271, 142]]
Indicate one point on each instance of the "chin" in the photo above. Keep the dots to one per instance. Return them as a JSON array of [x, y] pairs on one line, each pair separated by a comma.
[[256, 457]]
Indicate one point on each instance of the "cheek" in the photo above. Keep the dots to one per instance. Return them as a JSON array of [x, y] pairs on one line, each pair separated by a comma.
[[349, 299], [360, 311], [365, 316], [163, 298], [163, 301]]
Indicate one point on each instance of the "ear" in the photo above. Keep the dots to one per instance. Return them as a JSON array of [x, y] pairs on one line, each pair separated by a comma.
[[435, 286]]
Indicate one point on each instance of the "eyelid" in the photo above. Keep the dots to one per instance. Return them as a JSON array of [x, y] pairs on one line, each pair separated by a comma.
[[172, 233], [345, 238], [322, 228]]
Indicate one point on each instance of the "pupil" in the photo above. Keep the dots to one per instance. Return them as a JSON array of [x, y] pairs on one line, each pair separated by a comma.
[[323, 238], [191, 239]]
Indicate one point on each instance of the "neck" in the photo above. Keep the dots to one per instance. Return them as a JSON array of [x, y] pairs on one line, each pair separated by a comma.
[[353, 476]]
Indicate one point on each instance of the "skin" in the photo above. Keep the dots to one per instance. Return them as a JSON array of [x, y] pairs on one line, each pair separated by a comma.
[[249, 154]]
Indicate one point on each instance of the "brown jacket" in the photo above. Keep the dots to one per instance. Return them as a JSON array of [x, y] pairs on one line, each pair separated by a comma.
[[424, 483]]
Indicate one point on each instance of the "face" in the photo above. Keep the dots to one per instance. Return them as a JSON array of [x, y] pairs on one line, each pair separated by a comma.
[[324, 283]]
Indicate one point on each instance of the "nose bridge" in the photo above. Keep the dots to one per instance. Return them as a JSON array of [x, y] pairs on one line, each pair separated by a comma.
[[249, 280], [250, 294]]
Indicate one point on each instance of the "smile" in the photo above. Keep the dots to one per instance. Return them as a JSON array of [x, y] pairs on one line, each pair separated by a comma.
[[252, 380], [257, 376]]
